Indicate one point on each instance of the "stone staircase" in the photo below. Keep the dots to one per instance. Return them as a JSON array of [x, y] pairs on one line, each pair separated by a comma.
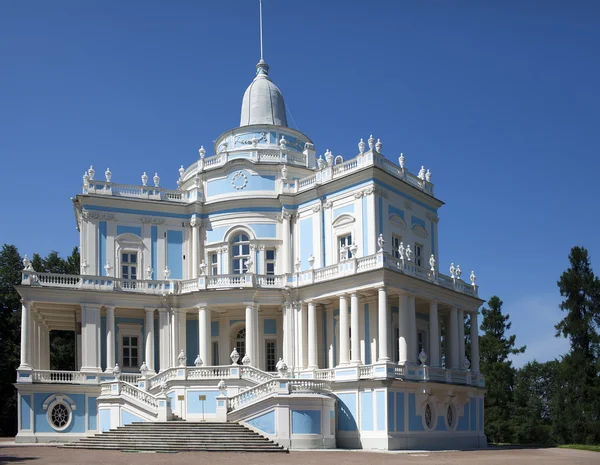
[[179, 436]]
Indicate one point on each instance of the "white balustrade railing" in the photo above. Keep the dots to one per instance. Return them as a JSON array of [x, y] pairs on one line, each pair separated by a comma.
[[365, 371], [252, 394], [327, 374], [229, 280], [209, 372], [366, 263], [255, 374], [138, 394], [277, 281], [327, 273], [188, 285], [162, 377], [58, 377], [57, 280], [309, 385]]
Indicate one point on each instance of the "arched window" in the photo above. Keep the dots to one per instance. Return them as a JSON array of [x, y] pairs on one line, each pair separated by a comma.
[[240, 344], [240, 252]]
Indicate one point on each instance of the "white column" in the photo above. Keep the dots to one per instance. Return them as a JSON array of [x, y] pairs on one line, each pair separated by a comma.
[[330, 362], [35, 344], [194, 225], [286, 249], [78, 327], [286, 334], [163, 339], [452, 340], [174, 332], [251, 334], [474, 343], [412, 330], [312, 336], [403, 329], [355, 329], [149, 345], [181, 337], [434, 335], [301, 335], [461, 338], [46, 348], [90, 322], [383, 325], [344, 339], [304, 330], [204, 337], [110, 339]]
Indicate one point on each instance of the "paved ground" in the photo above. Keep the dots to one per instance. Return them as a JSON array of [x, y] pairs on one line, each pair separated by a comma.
[[33, 455]]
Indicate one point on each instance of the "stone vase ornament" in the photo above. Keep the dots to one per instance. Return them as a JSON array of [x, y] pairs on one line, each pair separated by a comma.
[[156, 179], [311, 261], [371, 142], [353, 250], [91, 173], [198, 362], [144, 368], [361, 146], [108, 175], [181, 358], [144, 179], [422, 357], [452, 270], [282, 368], [246, 360], [378, 146], [117, 372], [380, 243], [149, 272], [234, 356], [222, 387]]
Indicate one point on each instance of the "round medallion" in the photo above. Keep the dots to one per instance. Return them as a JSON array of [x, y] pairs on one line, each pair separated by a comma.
[[239, 180]]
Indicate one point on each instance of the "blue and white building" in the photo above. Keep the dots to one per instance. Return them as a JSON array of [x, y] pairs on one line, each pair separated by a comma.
[[294, 293]]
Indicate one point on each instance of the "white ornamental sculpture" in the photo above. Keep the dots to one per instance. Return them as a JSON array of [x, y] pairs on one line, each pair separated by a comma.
[[380, 243], [117, 372], [108, 174], [86, 180], [27, 264], [422, 357], [432, 262], [321, 163], [202, 267], [401, 251], [284, 172], [473, 278], [91, 173], [149, 271], [329, 157], [343, 253], [181, 358], [458, 271], [422, 173], [198, 362], [144, 179], [428, 176], [466, 364], [378, 146], [298, 265], [371, 142], [167, 273], [246, 359], [144, 368], [401, 160], [254, 141], [108, 268], [222, 387], [311, 261], [202, 151], [249, 264], [282, 368], [361, 146], [197, 181], [181, 171], [353, 249], [84, 267], [282, 143], [234, 356], [408, 252], [156, 179], [452, 270]]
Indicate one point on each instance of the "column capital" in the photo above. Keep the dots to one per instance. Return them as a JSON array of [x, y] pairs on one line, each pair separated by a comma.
[[163, 310], [90, 306], [109, 307], [252, 305], [149, 309], [382, 288]]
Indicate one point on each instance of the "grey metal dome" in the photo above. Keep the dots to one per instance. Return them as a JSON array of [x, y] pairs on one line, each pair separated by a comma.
[[263, 102]]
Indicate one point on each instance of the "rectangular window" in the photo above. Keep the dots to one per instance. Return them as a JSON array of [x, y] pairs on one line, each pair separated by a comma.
[[419, 252], [270, 361], [270, 261], [129, 265], [344, 250], [130, 352], [215, 353], [396, 240], [214, 264]]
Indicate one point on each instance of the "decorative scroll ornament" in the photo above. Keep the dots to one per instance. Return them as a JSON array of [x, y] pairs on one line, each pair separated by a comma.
[[144, 179], [234, 356], [108, 174], [198, 362], [380, 243], [452, 270], [246, 359], [473, 278], [239, 180], [181, 358]]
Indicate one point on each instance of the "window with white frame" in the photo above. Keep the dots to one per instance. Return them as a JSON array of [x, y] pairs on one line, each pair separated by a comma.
[[129, 265], [419, 254], [214, 264], [130, 351], [270, 361], [240, 344], [270, 261], [345, 242], [240, 253], [130, 346], [396, 240]]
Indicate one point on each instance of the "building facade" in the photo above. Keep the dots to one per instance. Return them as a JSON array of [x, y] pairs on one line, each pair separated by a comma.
[[296, 294]]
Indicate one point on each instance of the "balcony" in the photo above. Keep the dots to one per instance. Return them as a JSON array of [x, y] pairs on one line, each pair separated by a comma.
[[350, 267]]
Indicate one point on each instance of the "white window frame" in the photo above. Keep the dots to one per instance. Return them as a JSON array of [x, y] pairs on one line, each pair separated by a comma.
[[129, 330], [137, 264], [274, 341], [241, 257], [130, 243], [213, 266], [269, 261], [419, 258], [396, 241]]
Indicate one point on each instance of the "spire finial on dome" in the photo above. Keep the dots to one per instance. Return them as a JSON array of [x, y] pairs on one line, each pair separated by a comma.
[[261, 35]]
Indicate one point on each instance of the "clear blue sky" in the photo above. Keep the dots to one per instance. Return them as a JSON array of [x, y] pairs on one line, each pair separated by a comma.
[[499, 99]]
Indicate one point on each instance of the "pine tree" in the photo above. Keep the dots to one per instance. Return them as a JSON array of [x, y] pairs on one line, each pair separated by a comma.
[[10, 336], [498, 371], [578, 417]]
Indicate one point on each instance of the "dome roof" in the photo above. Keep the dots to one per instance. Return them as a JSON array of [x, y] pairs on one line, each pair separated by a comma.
[[263, 102]]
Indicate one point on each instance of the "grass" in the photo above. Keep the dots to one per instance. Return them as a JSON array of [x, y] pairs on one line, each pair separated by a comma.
[[593, 448]]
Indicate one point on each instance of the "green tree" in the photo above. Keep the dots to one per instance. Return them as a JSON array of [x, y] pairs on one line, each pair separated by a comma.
[[10, 336], [495, 349], [578, 415]]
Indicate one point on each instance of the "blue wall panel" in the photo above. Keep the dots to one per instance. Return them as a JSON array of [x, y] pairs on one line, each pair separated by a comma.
[[128, 418], [254, 183], [395, 211], [306, 240], [463, 422], [175, 253], [77, 424], [92, 411], [390, 410], [306, 422], [135, 230], [101, 248], [380, 397], [270, 326], [415, 422], [265, 422], [440, 425], [346, 408], [341, 210], [366, 411], [399, 411], [194, 405], [264, 230], [380, 215], [473, 412], [25, 412], [214, 328], [104, 420]]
